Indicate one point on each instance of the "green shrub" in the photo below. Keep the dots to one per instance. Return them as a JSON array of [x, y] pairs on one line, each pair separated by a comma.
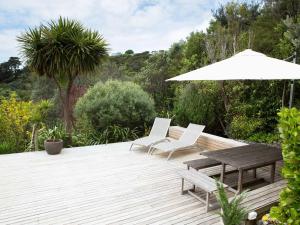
[[199, 103], [16, 122], [111, 134], [15, 117], [243, 127], [123, 104], [288, 211], [7, 147], [263, 137]]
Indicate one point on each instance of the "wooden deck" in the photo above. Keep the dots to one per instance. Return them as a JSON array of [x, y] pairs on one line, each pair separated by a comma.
[[104, 184]]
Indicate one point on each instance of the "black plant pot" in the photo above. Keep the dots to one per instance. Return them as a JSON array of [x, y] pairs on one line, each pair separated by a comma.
[[53, 147]]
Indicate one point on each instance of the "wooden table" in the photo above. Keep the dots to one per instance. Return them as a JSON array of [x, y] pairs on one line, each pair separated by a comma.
[[246, 157]]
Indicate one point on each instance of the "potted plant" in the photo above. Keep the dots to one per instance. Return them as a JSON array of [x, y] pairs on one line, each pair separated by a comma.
[[231, 211], [53, 143]]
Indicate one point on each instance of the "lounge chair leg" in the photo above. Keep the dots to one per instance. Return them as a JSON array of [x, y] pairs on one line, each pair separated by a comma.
[[169, 156], [182, 186], [131, 147], [207, 201], [150, 149]]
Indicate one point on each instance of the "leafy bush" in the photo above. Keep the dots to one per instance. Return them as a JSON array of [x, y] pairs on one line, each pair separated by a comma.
[[15, 117], [288, 211], [253, 107], [198, 103], [111, 134], [232, 213], [243, 127], [7, 147], [16, 120], [123, 104], [263, 137]]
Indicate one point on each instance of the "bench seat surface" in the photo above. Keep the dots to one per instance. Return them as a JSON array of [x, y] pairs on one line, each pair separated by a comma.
[[202, 163], [199, 179]]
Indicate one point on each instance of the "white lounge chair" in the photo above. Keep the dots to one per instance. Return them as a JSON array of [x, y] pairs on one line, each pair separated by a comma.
[[187, 139], [157, 134]]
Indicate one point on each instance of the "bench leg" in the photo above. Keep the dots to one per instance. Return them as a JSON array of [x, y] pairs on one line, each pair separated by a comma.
[[207, 201], [240, 181], [273, 167], [254, 173], [182, 186], [223, 172]]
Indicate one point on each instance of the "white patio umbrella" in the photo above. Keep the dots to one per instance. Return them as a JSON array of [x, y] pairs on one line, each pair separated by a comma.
[[246, 65]]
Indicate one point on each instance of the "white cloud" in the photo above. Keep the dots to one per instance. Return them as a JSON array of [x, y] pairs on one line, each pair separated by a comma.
[[126, 24], [8, 43]]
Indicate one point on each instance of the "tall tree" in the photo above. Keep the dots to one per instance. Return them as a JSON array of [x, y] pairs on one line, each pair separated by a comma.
[[63, 50], [10, 70]]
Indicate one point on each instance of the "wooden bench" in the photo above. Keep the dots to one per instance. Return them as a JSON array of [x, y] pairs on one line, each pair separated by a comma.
[[200, 180], [198, 164]]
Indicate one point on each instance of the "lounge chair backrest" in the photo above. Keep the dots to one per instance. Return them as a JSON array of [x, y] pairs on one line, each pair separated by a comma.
[[192, 133], [160, 127]]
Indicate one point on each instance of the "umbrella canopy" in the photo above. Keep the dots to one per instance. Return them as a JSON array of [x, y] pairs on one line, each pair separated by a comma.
[[246, 65]]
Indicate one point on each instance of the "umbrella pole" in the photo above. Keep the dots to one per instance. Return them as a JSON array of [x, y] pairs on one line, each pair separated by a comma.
[[291, 94], [292, 84]]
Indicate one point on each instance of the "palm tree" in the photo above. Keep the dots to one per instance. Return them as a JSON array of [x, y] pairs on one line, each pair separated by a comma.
[[63, 50]]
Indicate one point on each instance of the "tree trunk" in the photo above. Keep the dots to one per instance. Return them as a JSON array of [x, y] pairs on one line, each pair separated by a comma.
[[223, 94], [68, 112], [65, 96], [226, 104], [234, 44]]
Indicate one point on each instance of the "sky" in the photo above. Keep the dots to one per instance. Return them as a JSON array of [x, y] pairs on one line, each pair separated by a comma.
[[140, 25]]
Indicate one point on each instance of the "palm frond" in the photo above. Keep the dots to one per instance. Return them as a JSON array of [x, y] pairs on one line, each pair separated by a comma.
[[62, 48]]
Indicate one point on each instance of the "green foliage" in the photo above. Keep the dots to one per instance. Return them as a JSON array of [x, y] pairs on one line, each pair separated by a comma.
[[123, 104], [198, 102], [56, 133], [10, 70], [42, 88], [242, 127], [253, 108], [62, 48], [85, 137], [16, 118], [195, 51], [130, 64], [152, 78], [263, 137], [232, 213], [111, 134], [116, 133], [288, 211], [53, 134], [7, 147]]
